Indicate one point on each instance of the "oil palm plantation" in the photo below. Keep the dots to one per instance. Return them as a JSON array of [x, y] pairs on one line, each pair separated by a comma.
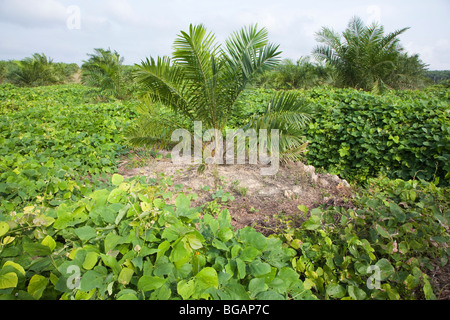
[[363, 57], [200, 82]]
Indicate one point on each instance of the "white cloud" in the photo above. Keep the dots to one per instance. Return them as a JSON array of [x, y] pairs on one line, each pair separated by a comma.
[[32, 13]]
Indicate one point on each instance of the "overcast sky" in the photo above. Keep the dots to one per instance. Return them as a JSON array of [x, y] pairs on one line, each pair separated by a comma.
[[66, 30]]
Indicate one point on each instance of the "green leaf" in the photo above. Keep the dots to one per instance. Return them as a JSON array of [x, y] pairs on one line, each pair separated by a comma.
[[117, 196], [397, 211], [182, 201], [193, 241], [37, 285], [90, 280], [356, 293], [207, 278], [241, 268], [249, 254], [111, 241], [312, 223], [259, 269], [117, 179], [16, 266], [386, 269], [4, 228], [36, 249], [125, 276], [382, 232], [186, 288], [85, 233], [427, 289], [269, 295], [225, 234], [257, 285], [90, 260], [336, 291], [8, 280], [147, 283], [49, 242]]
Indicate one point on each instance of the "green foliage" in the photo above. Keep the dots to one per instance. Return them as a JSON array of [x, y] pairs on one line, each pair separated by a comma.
[[402, 135], [105, 70], [290, 114], [51, 140], [302, 74], [34, 71], [127, 242], [363, 57], [399, 228], [201, 82]]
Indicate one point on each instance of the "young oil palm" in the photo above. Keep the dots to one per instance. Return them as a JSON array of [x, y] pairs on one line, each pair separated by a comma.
[[362, 56], [33, 71], [200, 82], [104, 69], [288, 112]]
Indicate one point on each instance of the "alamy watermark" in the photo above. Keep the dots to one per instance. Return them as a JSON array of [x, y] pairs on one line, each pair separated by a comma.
[[73, 21], [211, 147]]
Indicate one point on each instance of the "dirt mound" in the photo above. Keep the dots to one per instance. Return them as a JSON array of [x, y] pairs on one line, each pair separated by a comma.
[[252, 199]]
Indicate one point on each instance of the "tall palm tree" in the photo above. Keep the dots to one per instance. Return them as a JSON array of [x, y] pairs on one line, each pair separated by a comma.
[[362, 56]]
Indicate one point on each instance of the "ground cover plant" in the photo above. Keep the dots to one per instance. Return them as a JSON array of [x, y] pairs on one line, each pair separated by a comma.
[[62, 220]]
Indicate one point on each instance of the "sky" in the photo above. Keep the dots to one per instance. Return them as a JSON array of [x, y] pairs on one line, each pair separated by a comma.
[[67, 30]]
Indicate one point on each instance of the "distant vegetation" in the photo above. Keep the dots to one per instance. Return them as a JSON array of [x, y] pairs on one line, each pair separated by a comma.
[[37, 70]]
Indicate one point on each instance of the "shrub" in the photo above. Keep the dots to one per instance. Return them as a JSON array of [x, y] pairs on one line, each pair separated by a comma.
[[360, 135]]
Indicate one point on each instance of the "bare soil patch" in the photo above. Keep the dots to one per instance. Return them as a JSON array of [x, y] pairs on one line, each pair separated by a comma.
[[258, 200]]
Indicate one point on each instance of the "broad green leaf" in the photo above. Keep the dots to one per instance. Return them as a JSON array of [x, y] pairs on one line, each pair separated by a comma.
[[397, 211], [207, 278], [90, 280], [4, 228], [85, 233], [249, 254], [117, 196], [336, 291], [186, 288], [269, 295], [111, 241], [312, 223], [90, 260], [182, 201], [117, 179], [241, 268], [427, 289], [125, 276], [193, 241], [259, 269], [257, 285], [37, 285], [225, 234], [303, 208], [147, 283], [8, 280], [16, 266], [49, 242], [386, 269], [36, 249], [382, 232], [356, 293]]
